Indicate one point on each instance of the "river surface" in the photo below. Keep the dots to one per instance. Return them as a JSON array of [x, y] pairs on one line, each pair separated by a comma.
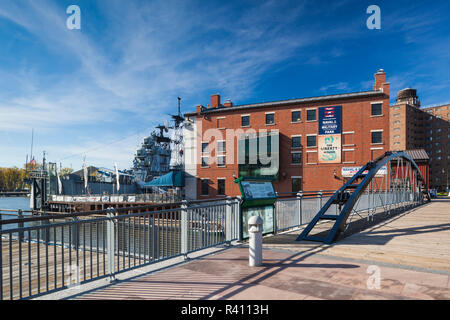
[[14, 204]]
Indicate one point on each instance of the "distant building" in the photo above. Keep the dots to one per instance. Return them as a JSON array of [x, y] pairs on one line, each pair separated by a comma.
[[312, 141], [438, 145], [407, 122], [427, 128]]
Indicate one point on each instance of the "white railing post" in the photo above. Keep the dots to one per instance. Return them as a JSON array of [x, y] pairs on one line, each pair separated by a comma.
[[299, 204], [239, 218], [255, 228], [319, 201], [228, 221], [184, 228], [110, 243]]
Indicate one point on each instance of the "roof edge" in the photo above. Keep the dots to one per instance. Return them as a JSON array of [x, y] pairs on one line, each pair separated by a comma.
[[292, 101]]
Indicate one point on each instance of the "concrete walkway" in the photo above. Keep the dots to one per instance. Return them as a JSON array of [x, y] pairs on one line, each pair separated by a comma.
[[405, 257]]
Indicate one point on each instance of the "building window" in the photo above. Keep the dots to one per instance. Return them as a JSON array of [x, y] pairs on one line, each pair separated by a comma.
[[377, 136], [377, 109], [205, 162], [348, 155], [396, 122], [397, 136], [205, 187], [221, 145], [311, 115], [270, 118], [311, 141], [205, 147], [221, 187], [245, 121], [397, 115], [296, 116], [348, 138], [221, 161], [296, 184], [296, 158], [311, 157], [221, 123], [296, 142]]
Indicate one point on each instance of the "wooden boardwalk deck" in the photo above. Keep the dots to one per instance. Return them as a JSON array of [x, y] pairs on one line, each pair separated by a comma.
[[43, 265], [410, 249], [418, 238]]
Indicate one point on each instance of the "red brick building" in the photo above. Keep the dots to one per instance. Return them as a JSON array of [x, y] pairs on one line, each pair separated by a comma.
[[212, 137]]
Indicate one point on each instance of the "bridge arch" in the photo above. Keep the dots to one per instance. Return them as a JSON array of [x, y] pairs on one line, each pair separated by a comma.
[[392, 181]]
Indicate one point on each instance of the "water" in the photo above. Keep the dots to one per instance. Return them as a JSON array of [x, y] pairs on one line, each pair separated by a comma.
[[14, 204]]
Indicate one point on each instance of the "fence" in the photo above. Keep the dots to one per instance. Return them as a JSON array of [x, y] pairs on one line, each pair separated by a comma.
[[47, 253], [168, 197], [298, 211]]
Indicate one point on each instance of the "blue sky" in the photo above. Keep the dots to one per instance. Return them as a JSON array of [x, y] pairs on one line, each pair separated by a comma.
[[96, 92]]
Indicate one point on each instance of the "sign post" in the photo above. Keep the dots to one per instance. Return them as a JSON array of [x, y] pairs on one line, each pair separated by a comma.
[[258, 200]]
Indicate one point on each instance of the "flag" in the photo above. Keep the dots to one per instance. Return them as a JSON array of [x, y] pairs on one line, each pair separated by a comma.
[[85, 174], [117, 176], [59, 183]]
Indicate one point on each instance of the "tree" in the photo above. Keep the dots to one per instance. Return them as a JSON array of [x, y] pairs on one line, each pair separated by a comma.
[[65, 171], [11, 179]]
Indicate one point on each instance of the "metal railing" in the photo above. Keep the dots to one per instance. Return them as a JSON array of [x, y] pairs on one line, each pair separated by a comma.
[[43, 254], [300, 210], [123, 198], [49, 254]]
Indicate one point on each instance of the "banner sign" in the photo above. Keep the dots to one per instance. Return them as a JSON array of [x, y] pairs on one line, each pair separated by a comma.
[[258, 190], [330, 120], [330, 130], [348, 172], [330, 148]]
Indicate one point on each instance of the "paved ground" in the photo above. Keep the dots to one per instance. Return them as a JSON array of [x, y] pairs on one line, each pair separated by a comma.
[[409, 254]]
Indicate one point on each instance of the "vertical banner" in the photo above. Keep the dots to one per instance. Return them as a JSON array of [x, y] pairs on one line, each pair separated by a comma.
[[330, 134]]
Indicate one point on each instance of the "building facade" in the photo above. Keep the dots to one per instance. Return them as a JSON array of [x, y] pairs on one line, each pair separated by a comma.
[[437, 145], [313, 141], [427, 128]]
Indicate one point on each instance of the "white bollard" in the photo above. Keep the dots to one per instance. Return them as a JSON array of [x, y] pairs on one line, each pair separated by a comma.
[[255, 228]]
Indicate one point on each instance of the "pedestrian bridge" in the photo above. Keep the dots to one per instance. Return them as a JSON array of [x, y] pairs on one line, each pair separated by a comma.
[[409, 251]]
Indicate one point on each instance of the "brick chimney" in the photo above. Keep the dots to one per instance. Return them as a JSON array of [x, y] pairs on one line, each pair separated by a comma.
[[215, 101], [380, 79], [228, 104], [199, 109]]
